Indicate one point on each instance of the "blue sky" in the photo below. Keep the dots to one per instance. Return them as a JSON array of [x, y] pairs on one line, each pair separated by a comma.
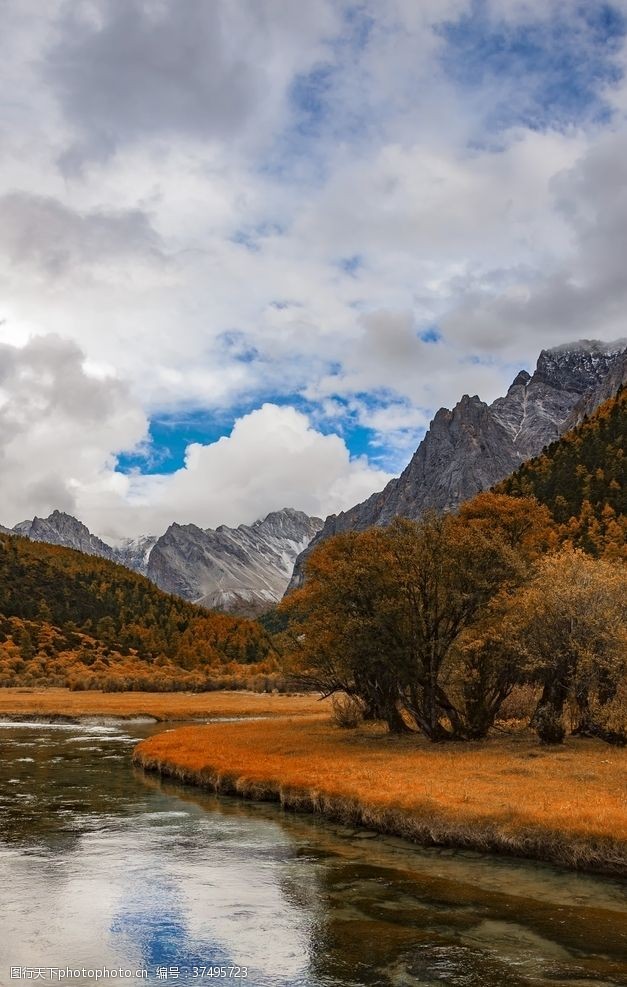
[[249, 248]]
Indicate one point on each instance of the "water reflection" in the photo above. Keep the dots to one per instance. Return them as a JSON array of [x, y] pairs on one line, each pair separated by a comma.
[[104, 866]]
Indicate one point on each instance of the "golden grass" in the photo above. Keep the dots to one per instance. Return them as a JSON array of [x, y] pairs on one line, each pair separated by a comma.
[[161, 705], [508, 795]]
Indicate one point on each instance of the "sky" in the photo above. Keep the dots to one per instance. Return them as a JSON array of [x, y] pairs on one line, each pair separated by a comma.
[[249, 247]]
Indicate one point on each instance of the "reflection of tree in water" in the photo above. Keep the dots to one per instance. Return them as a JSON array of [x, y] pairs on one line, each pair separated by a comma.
[[388, 926]]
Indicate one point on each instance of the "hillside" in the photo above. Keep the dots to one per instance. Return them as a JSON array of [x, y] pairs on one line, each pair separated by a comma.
[[475, 445], [67, 618], [242, 570], [581, 479]]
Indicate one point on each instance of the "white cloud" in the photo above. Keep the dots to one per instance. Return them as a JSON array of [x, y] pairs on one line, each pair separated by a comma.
[[53, 240], [60, 427], [224, 204], [272, 458], [125, 72], [580, 294]]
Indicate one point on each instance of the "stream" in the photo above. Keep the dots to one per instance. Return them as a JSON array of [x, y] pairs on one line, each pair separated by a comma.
[[110, 875]]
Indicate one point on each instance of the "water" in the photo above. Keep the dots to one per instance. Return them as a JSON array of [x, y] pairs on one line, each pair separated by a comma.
[[108, 869]]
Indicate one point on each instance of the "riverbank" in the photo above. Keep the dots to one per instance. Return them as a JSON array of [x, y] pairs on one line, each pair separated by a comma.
[[508, 795], [64, 704]]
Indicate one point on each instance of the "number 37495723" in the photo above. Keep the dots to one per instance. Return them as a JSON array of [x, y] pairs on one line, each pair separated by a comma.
[[220, 972]]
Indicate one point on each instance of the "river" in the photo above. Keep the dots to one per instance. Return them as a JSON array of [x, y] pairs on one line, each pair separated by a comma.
[[108, 873]]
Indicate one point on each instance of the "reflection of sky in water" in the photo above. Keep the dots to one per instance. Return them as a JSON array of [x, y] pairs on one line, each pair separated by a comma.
[[105, 867], [214, 900], [112, 872], [151, 919]]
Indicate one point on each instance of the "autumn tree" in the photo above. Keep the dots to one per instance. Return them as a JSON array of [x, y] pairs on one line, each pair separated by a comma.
[[570, 625], [347, 622], [525, 524], [382, 611]]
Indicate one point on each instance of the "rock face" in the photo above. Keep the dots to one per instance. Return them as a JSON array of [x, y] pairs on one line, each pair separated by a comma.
[[606, 389], [134, 553], [475, 445], [63, 529], [244, 569]]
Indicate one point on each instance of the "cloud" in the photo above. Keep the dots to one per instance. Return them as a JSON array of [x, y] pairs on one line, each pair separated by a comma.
[[60, 427], [272, 458], [54, 240], [125, 71], [581, 295], [233, 206]]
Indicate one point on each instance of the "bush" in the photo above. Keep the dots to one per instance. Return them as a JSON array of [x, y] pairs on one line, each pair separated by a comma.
[[348, 711]]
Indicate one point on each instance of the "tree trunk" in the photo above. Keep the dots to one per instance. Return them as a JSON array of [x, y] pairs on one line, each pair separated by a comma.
[[394, 720], [548, 719]]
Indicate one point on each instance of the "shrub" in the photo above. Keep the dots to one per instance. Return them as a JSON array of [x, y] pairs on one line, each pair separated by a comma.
[[348, 711]]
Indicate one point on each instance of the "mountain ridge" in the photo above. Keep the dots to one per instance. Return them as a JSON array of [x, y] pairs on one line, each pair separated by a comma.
[[245, 568], [240, 570], [475, 445]]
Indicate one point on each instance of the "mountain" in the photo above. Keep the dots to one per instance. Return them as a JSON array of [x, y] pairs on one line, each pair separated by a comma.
[[474, 446], [134, 553], [70, 618], [582, 479], [244, 569], [608, 387], [239, 570], [63, 529]]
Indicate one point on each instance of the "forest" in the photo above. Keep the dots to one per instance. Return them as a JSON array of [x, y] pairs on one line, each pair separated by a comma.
[[581, 479], [72, 619], [517, 603]]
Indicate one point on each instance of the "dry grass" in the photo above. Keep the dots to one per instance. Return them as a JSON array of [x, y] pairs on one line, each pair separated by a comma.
[[507, 795], [161, 705]]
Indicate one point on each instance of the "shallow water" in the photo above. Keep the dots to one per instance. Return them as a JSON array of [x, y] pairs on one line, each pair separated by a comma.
[[105, 868]]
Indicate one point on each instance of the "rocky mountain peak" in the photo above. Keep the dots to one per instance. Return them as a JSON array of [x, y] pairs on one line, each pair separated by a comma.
[[289, 523], [60, 528], [520, 380], [577, 367], [244, 569], [475, 445]]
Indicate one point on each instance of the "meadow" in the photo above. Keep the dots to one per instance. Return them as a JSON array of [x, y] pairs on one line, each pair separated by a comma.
[[507, 794], [56, 703]]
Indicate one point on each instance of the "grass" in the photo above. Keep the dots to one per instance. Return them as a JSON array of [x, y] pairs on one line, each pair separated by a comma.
[[161, 705], [509, 795]]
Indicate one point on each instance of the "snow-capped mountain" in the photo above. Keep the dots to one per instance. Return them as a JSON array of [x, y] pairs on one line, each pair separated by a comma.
[[243, 570]]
